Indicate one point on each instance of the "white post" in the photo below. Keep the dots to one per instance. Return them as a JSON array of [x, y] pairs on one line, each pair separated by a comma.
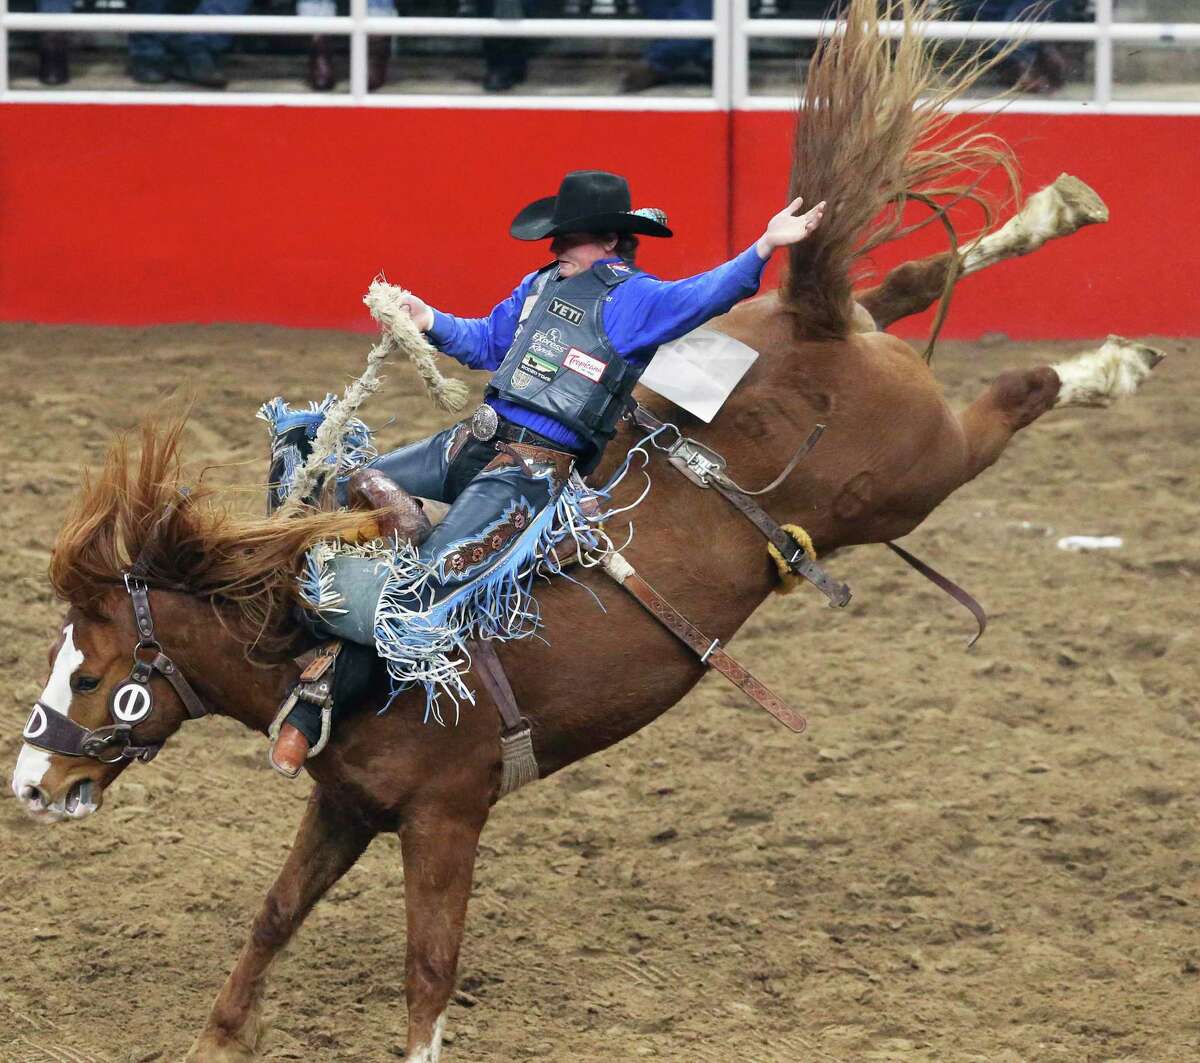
[[1103, 58], [723, 44], [739, 44], [3, 50], [358, 51]]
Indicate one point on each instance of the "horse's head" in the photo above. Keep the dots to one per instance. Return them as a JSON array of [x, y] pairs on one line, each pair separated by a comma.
[[107, 702], [114, 694]]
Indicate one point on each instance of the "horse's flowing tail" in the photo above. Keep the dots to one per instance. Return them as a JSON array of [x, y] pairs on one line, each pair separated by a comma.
[[873, 131]]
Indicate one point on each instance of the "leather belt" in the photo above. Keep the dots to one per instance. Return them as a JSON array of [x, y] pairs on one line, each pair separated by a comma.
[[487, 425]]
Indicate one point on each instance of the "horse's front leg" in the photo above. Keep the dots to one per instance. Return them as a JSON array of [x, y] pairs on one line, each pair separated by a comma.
[[438, 844], [1057, 210], [329, 841]]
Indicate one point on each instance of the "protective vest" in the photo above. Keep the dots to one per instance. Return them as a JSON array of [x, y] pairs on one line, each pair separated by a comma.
[[561, 362]]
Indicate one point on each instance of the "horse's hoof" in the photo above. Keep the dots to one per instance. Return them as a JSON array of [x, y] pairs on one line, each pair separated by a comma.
[[1082, 204], [210, 1048]]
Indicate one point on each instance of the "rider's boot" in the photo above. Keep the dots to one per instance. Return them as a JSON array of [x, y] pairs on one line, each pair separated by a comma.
[[333, 685], [289, 751]]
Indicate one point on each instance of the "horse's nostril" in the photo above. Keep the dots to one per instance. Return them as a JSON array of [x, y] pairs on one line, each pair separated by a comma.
[[33, 794]]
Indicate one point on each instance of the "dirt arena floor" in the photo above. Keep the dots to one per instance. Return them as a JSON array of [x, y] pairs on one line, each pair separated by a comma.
[[983, 856]]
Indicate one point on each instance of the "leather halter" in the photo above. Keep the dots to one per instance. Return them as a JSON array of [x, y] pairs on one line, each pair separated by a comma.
[[130, 702]]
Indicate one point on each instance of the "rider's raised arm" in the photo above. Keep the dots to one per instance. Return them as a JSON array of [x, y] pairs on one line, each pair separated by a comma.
[[652, 311], [480, 342]]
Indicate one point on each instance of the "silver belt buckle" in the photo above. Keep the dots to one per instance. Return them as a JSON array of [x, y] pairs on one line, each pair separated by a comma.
[[484, 422]]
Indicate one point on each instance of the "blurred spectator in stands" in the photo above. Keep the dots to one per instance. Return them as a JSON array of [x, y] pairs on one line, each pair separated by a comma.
[[53, 65], [506, 59], [1034, 66], [666, 61], [190, 57], [321, 74]]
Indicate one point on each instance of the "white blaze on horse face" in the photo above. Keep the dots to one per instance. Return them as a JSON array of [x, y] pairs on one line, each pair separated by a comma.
[[431, 1052], [1094, 379], [32, 764], [1056, 210]]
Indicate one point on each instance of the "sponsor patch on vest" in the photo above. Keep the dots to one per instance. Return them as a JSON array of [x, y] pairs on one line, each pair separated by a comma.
[[548, 344], [584, 364], [535, 367], [619, 269], [570, 313]]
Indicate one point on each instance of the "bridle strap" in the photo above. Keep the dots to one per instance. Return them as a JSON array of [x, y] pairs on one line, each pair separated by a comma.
[[161, 663], [191, 700], [50, 730]]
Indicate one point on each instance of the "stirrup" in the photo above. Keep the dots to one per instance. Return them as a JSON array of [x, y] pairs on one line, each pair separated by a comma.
[[315, 686]]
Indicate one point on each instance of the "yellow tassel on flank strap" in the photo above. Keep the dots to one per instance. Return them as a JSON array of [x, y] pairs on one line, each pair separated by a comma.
[[788, 580]]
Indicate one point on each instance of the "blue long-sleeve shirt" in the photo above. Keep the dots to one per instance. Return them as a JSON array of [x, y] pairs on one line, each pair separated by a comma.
[[638, 315]]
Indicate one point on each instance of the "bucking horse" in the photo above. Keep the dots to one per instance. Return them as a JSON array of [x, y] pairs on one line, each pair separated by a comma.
[[214, 602]]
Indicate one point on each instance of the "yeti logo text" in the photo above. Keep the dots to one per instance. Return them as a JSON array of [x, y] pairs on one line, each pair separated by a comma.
[[36, 727], [571, 314], [131, 703]]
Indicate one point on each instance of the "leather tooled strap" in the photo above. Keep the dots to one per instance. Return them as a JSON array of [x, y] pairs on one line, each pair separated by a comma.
[[708, 649]]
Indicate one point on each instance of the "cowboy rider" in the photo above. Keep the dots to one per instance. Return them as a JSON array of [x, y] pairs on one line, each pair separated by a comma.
[[565, 349]]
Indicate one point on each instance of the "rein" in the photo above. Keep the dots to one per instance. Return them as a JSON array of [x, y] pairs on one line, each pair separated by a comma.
[[129, 703]]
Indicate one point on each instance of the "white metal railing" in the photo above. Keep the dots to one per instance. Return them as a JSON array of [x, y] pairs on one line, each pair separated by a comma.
[[731, 30]]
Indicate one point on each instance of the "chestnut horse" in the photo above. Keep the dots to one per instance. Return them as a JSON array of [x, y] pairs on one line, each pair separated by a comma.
[[220, 585]]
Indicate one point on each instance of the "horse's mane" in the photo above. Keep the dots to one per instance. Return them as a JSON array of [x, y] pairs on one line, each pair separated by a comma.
[[873, 131], [136, 509]]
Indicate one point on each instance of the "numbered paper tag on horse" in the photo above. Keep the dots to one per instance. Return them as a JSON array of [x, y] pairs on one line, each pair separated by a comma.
[[699, 371]]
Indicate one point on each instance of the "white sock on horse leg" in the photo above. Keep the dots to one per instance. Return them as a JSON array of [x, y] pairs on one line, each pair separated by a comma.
[[1059, 209], [431, 1052], [1096, 378]]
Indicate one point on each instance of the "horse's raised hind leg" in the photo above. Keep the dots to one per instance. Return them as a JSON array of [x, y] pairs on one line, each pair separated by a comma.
[[329, 841], [1059, 209], [439, 861], [1019, 397]]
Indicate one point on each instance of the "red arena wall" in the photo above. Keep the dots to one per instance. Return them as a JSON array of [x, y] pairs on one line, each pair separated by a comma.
[[131, 215]]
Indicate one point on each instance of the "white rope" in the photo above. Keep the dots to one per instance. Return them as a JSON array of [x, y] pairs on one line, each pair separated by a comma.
[[384, 302], [398, 333]]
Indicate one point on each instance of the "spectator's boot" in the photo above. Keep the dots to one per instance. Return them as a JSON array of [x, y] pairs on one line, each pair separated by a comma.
[[379, 51], [320, 65], [1051, 64], [642, 76], [52, 60], [199, 67], [149, 69]]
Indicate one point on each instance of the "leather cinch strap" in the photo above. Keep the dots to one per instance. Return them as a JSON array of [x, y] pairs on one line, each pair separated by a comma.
[[949, 586], [706, 468], [709, 650]]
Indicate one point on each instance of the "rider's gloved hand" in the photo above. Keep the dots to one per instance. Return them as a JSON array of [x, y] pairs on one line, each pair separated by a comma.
[[789, 228]]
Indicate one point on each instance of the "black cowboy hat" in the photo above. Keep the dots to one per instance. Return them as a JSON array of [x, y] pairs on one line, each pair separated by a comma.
[[588, 201]]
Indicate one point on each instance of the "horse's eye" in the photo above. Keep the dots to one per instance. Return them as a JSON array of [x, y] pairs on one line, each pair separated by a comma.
[[84, 684]]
